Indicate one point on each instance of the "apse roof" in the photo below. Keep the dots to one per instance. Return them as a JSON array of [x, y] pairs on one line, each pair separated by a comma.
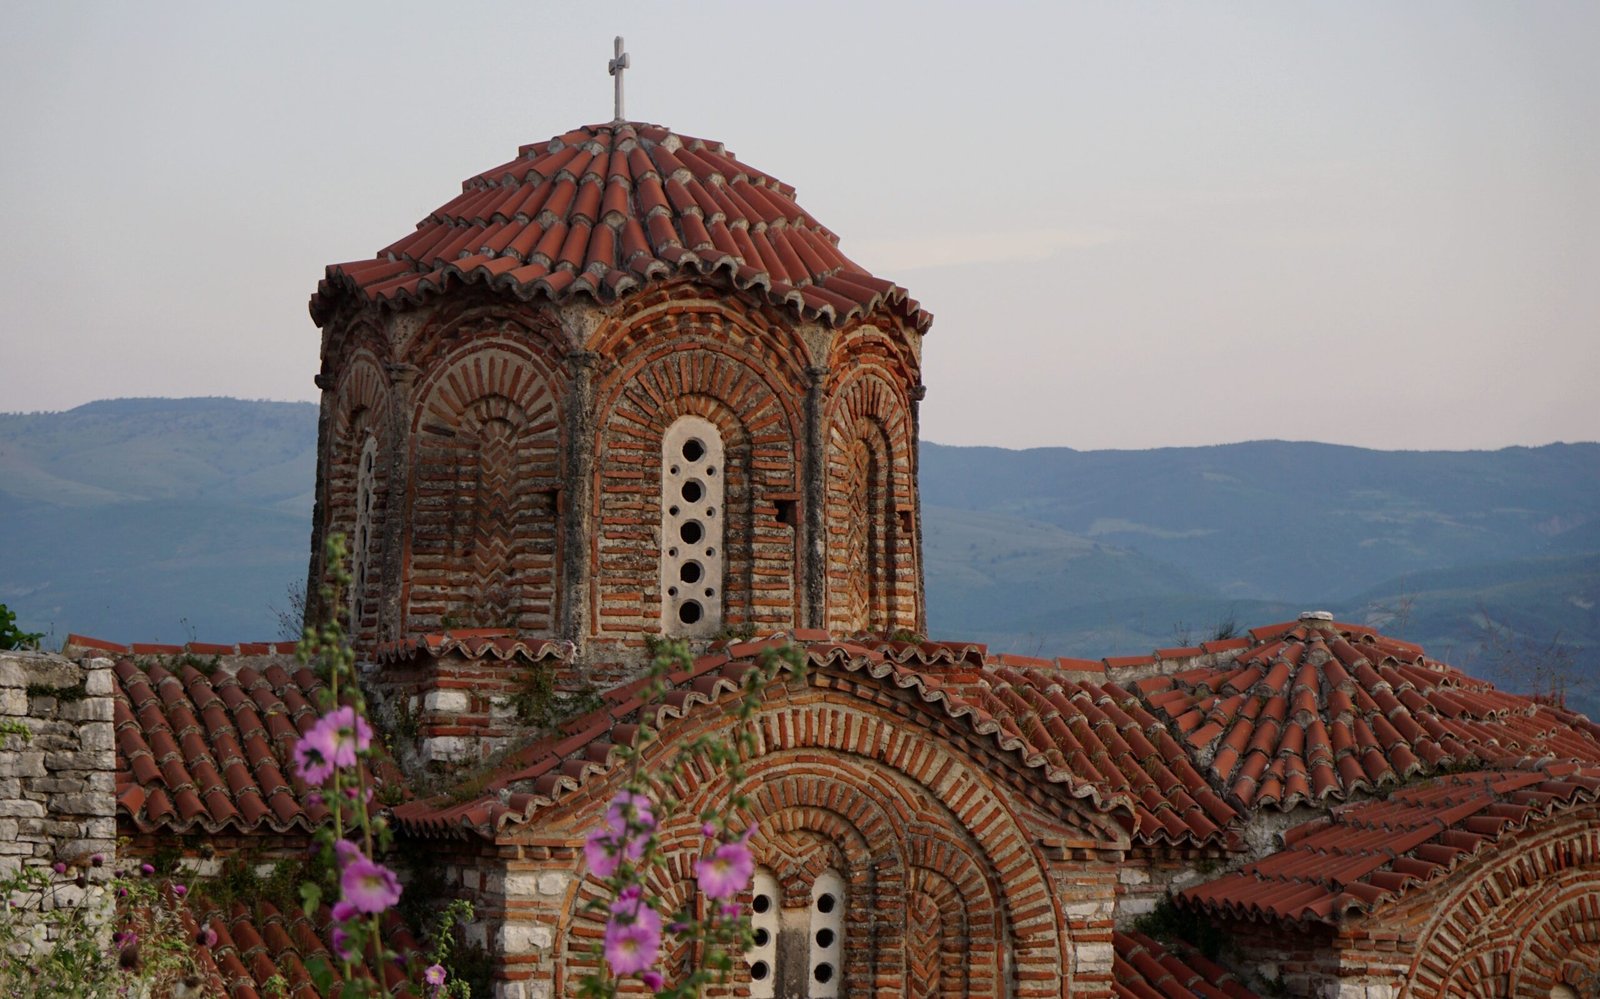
[[1316, 711], [1366, 853], [606, 210]]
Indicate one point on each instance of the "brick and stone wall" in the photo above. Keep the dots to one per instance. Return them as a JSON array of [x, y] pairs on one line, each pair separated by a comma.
[[57, 767]]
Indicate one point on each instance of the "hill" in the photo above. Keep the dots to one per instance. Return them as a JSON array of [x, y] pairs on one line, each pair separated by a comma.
[[166, 519]]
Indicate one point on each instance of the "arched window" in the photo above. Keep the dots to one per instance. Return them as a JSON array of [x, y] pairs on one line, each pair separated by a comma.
[[762, 957], [361, 543], [827, 935], [692, 474]]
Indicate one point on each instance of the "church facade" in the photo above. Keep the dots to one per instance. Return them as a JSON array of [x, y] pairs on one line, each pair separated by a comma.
[[622, 386]]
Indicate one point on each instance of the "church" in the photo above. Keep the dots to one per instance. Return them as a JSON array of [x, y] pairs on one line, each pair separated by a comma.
[[623, 385]]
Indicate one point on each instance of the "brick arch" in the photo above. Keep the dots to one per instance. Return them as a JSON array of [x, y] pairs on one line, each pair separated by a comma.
[[871, 504], [731, 386], [483, 542], [888, 350], [456, 322], [1471, 946], [360, 412], [862, 761], [1560, 945]]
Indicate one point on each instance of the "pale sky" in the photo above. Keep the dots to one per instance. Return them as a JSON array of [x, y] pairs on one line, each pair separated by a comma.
[[1136, 225]]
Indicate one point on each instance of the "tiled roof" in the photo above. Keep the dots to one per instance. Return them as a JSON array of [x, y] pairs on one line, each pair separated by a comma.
[[1307, 714], [1101, 734], [540, 774], [256, 943], [1366, 853], [213, 750], [605, 210], [80, 644], [1143, 969], [476, 643]]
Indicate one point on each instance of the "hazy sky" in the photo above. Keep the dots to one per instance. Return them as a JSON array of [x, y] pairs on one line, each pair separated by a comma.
[[1136, 225]]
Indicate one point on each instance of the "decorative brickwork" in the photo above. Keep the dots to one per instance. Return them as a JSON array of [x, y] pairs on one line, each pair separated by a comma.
[[873, 578], [687, 357], [483, 545], [359, 459]]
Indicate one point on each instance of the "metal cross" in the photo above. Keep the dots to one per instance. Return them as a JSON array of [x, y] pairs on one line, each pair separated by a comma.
[[615, 68]]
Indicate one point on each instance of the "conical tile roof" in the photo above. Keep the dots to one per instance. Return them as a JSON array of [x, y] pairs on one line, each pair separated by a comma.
[[606, 210]]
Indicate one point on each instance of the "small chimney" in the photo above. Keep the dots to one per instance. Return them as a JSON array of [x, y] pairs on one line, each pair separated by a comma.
[[1321, 620]]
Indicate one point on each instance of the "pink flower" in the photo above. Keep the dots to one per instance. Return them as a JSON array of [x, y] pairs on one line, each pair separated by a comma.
[[179, 890], [313, 755], [652, 980], [434, 975], [346, 851], [207, 937], [625, 832], [633, 937], [350, 735], [147, 869], [709, 830], [369, 887], [343, 947], [343, 911], [59, 867], [727, 871]]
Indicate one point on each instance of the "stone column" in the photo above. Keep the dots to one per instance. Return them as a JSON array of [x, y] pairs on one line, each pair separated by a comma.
[[811, 534]]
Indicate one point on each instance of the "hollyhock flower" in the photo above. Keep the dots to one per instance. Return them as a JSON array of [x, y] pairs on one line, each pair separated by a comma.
[[625, 832], [59, 867], [633, 937], [147, 869], [180, 890], [350, 734], [313, 755], [345, 851], [343, 946], [727, 871], [343, 911], [434, 975], [368, 886], [207, 937], [652, 980]]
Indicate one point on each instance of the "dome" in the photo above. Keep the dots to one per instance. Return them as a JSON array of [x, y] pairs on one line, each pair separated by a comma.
[[606, 210]]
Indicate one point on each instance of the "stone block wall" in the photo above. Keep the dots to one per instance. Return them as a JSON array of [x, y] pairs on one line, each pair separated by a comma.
[[57, 767]]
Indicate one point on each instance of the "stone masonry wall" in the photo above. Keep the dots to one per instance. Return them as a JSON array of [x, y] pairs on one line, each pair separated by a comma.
[[57, 766]]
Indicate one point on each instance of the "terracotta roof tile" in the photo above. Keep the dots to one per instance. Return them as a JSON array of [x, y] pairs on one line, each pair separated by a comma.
[[213, 750], [1302, 712], [476, 643], [1145, 969], [1366, 853], [571, 201], [538, 775]]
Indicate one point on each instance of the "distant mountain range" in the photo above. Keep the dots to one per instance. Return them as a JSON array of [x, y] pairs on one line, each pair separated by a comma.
[[172, 519]]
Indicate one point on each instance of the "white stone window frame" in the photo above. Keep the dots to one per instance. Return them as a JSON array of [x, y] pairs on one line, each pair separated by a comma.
[[692, 515], [825, 969], [761, 960], [361, 542]]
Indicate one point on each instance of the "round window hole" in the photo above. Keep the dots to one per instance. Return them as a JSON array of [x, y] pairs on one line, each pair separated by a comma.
[[711, 511], [710, 552], [711, 470], [826, 902], [672, 591], [693, 449], [690, 572], [672, 510], [691, 532], [672, 552], [689, 612], [824, 938], [759, 971], [692, 491], [762, 936], [761, 903], [824, 973], [711, 591]]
